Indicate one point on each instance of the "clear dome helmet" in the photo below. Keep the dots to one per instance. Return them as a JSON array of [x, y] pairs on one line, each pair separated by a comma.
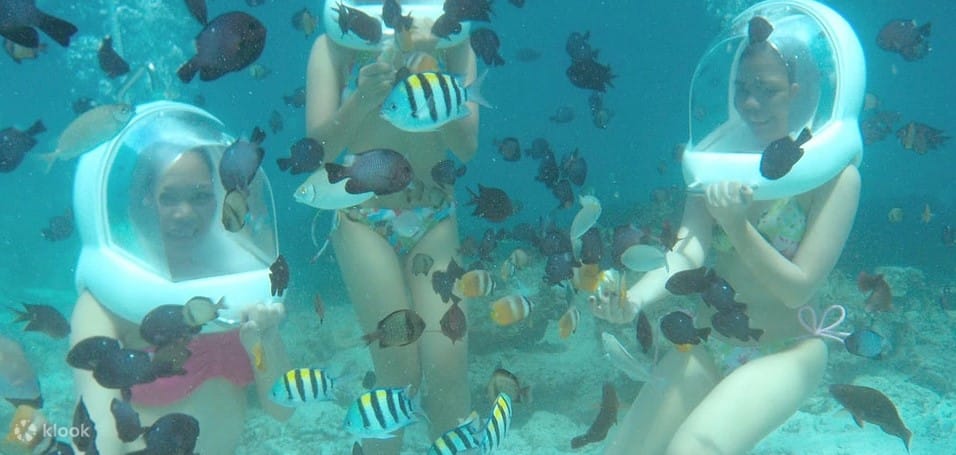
[[135, 254], [423, 12], [824, 64]]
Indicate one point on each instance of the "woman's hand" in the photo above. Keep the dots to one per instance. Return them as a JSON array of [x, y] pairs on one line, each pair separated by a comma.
[[615, 311], [258, 320], [728, 202], [375, 82]]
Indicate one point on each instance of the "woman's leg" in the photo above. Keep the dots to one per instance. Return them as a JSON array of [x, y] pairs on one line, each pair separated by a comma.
[[444, 364], [752, 401], [376, 287], [681, 381]]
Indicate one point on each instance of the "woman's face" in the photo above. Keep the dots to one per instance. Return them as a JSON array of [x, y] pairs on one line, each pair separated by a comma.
[[762, 94], [185, 200]]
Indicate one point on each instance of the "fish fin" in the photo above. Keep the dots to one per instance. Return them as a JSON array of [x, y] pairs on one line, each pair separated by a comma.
[[58, 29], [37, 128], [755, 334], [804, 136], [24, 36], [474, 90], [257, 136], [336, 172], [188, 71], [857, 419], [284, 163]]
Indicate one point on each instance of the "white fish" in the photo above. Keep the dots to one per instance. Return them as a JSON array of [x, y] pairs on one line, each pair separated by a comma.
[[90, 129], [586, 217], [318, 192], [623, 360], [643, 258]]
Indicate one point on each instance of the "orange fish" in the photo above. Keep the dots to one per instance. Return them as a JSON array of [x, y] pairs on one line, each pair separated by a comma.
[[510, 309], [881, 297], [927, 214], [895, 215], [568, 323], [920, 137], [587, 277], [474, 283]]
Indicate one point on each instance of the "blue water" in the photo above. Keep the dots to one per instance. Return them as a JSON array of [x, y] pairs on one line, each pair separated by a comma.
[[652, 47]]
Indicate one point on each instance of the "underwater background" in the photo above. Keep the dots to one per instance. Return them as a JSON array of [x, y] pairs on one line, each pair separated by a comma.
[[652, 47]]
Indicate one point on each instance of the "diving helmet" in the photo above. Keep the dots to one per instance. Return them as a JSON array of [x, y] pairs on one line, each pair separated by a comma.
[[423, 12]]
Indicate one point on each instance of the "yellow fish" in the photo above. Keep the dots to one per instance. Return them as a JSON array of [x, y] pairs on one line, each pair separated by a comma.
[[510, 309], [474, 283], [568, 323], [587, 277]]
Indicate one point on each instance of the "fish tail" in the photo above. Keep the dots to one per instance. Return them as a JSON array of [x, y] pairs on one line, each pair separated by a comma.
[[21, 315], [37, 128], [755, 334], [58, 29], [705, 332], [188, 71], [474, 90], [925, 29]]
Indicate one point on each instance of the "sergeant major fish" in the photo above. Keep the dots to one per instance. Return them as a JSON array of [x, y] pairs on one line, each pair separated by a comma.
[[425, 101], [303, 385], [378, 413]]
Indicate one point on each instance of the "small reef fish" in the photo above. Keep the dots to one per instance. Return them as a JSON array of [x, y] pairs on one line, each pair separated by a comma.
[[304, 21], [454, 324], [568, 324], [18, 17], [378, 413], [509, 148], [590, 75], [474, 283], [906, 38], [124, 368], [780, 156], [426, 101], [44, 319], [865, 343], [678, 328], [88, 130], [198, 10], [171, 433], [574, 168], [382, 171], [422, 264], [458, 440], [14, 145], [486, 44], [399, 328], [111, 62], [586, 217], [499, 422], [895, 215], [306, 155], [128, 426], [510, 309], [355, 21], [87, 352], [19, 53], [279, 275], [881, 296], [870, 405], [645, 335], [505, 381], [920, 137], [303, 385], [166, 324], [200, 310], [445, 173], [85, 441], [734, 323], [230, 42], [59, 227], [443, 281], [241, 161], [602, 423]]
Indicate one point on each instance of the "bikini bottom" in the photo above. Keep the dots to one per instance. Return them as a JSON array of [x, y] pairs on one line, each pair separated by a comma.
[[401, 228]]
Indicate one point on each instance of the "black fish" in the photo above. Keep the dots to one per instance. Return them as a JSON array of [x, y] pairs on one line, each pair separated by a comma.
[[865, 343], [575, 168], [559, 267], [18, 17], [758, 29], [645, 335], [165, 324], [445, 26], [539, 148], [780, 156], [469, 10], [492, 204], [563, 192], [357, 22], [454, 325], [591, 75], [870, 405], [548, 170], [690, 281], [578, 47], [444, 172], [306, 156], [198, 9], [174, 433], [399, 328], [275, 121], [509, 148], [905, 38], [721, 295], [128, 427], [230, 42], [392, 16], [241, 161], [44, 319], [382, 171], [110, 62], [14, 145], [606, 417], [678, 328], [296, 99], [279, 275], [554, 241], [123, 369], [443, 281], [83, 104], [81, 419], [592, 246], [59, 227], [734, 323], [88, 352], [486, 44]]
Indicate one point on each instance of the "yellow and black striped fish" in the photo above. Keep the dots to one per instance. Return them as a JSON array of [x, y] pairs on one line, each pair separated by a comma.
[[459, 440], [498, 424], [376, 414], [303, 385], [425, 101]]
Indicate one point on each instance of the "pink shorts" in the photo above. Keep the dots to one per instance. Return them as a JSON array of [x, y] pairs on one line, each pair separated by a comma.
[[213, 355]]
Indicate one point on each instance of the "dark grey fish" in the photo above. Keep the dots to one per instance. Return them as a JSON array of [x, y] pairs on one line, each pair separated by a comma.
[[574, 167], [624, 237], [369, 380], [492, 204], [14, 145], [445, 26], [296, 99], [110, 62], [59, 227], [422, 264], [734, 324], [83, 440], [355, 21], [592, 246], [198, 9], [123, 369], [229, 42], [83, 104], [564, 193], [306, 156], [279, 275], [870, 405], [241, 161], [690, 281], [606, 417], [539, 148], [454, 324], [548, 170], [88, 352], [590, 75], [275, 121], [18, 17], [721, 295], [173, 433], [169, 359], [509, 148], [678, 328], [392, 16], [382, 171], [443, 281], [128, 427], [399, 328], [559, 267], [486, 44], [166, 324], [865, 343], [780, 156], [44, 319], [645, 335], [578, 47], [444, 172], [758, 29], [469, 10]]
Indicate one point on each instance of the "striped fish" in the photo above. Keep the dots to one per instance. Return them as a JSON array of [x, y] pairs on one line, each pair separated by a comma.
[[426, 101], [474, 283], [498, 424], [376, 414], [459, 440], [303, 385], [510, 309]]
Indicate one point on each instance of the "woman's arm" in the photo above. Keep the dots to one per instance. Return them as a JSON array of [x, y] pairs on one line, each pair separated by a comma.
[[461, 136], [259, 334], [828, 226], [335, 126], [91, 319]]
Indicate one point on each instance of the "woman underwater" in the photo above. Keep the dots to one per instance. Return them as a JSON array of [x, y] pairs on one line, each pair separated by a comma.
[[347, 82], [774, 252]]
